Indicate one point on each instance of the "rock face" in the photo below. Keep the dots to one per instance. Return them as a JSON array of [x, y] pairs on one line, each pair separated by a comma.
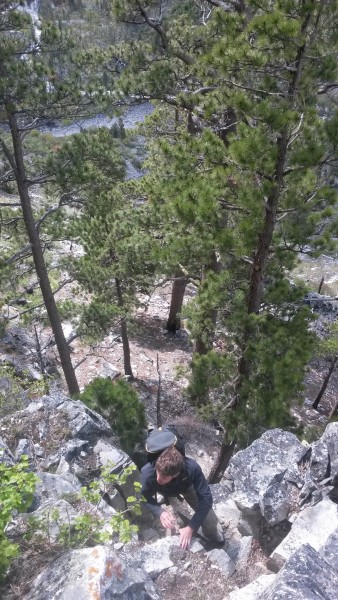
[[5, 454], [313, 526], [305, 576], [91, 574], [259, 475], [276, 503]]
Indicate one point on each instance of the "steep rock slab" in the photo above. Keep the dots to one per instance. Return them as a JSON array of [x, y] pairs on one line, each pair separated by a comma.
[[330, 550], [324, 456], [258, 475], [313, 526], [91, 574], [305, 576]]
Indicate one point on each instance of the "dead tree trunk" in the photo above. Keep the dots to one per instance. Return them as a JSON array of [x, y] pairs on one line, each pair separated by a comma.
[[325, 383], [17, 164]]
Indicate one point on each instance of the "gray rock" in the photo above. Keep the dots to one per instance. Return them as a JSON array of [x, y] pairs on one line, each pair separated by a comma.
[[69, 451], [244, 551], [24, 447], [308, 488], [324, 458], [275, 502], [155, 558], [108, 370], [84, 423], [63, 467], [261, 465], [18, 339], [149, 535], [53, 514], [254, 590], [54, 487], [195, 546], [106, 453], [305, 576], [5, 454], [329, 550], [313, 526], [227, 511], [220, 558], [319, 464], [34, 407], [91, 573]]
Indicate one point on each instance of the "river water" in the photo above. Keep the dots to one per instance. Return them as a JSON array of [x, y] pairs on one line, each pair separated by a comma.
[[134, 114]]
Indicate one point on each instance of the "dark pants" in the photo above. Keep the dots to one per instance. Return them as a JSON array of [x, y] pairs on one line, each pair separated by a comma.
[[210, 526]]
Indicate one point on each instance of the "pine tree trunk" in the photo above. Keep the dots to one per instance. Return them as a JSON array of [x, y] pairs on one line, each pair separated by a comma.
[[177, 296], [222, 460], [39, 262], [325, 383], [124, 333]]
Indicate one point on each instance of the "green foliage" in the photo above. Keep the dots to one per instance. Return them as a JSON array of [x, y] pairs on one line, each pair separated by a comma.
[[118, 253], [16, 390], [240, 172], [117, 401], [328, 346], [17, 486], [89, 527]]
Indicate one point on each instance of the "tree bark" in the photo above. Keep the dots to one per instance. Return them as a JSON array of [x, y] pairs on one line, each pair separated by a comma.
[[39, 262], [177, 296], [325, 383], [124, 333], [222, 460]]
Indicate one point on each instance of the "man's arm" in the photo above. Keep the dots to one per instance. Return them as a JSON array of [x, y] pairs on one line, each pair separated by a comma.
[[148, 489], [148, 481]]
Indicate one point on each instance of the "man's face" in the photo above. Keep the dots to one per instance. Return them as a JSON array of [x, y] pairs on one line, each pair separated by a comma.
[[164, 479]]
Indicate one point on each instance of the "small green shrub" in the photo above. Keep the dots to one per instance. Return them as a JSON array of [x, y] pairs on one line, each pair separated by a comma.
[[17, 486], [118, 402]]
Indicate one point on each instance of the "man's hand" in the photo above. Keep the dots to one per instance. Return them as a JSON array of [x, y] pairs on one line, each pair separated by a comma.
[[168, 520], [185, 537]]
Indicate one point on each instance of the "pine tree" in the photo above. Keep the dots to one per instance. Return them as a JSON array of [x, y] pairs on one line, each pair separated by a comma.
[[117, 264], [253, 186], [30, 92]]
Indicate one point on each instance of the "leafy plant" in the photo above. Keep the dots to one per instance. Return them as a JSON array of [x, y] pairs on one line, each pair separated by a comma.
[[17, 486], [89, 527], [118, 402]]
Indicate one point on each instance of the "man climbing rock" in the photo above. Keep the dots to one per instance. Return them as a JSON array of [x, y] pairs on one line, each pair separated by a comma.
[[174, 475]]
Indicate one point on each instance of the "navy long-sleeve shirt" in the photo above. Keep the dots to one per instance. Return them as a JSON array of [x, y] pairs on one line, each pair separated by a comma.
[[191, 475]]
